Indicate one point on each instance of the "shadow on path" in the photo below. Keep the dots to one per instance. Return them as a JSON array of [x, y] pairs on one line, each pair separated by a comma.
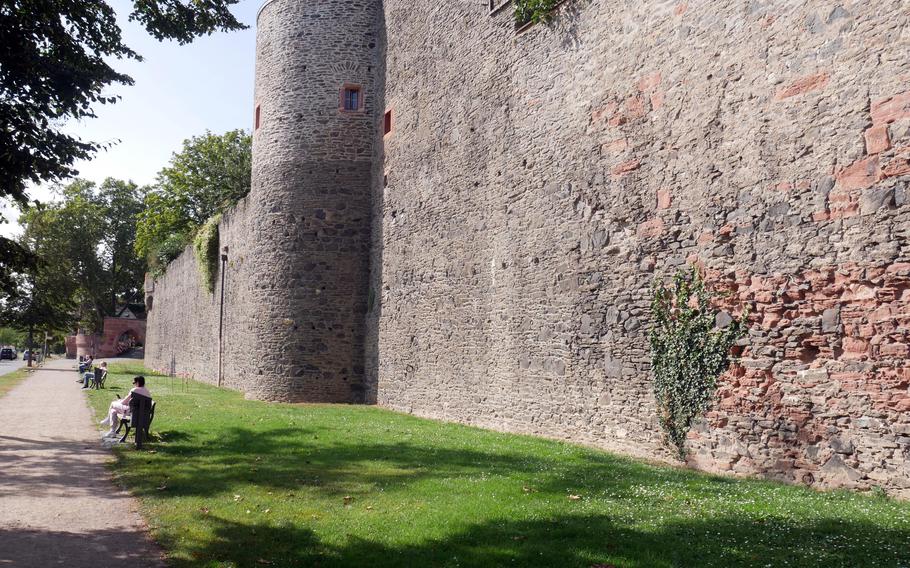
[[102, 549]]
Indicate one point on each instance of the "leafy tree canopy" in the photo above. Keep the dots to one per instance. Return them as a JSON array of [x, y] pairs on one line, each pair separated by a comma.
[[55, 65], [12, 337], [13, 258], [43, 302], [88, 240], [207, 177]]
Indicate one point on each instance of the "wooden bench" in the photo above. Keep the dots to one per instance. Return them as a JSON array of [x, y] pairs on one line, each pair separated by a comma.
[[99, 375], [142, 412]]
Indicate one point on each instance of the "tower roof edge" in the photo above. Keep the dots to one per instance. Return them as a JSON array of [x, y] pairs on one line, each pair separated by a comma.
[[261, 8]]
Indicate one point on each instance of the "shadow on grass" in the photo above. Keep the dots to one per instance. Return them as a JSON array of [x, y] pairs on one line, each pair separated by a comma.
[[282, 458], [286, 458], [732, 534], [213, 445], [563, 541]]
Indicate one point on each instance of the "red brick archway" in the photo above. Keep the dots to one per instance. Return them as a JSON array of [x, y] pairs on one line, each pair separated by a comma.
[[120, 334]]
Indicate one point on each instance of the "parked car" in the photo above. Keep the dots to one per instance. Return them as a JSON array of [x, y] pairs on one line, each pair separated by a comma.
[[25, 355], [7, 353]]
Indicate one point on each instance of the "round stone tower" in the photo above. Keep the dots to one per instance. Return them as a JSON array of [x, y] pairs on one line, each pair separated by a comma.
[[312, 156]]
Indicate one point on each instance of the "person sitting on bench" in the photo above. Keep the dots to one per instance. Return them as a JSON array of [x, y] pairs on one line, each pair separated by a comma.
[[88, 377], [122, 407], [85, 366]]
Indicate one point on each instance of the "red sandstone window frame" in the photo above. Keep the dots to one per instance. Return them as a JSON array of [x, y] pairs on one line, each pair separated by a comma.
[[387, 123], [342, 98]]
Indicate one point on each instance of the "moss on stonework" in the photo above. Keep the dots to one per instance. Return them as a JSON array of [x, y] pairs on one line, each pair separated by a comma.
[[533, 10], [205, 243]]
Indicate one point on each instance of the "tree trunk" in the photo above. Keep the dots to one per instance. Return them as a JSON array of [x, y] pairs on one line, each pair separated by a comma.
[[31, 348], [113, 284]]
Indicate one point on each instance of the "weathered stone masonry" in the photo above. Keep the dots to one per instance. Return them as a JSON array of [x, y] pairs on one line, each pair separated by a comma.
[[534, 185], [298, 246]]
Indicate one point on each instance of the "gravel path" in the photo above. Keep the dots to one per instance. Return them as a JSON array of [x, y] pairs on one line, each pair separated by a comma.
[[58, 505]]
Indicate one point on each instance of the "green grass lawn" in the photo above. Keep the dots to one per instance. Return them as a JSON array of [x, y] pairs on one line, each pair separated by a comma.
[[10, 380], [238, 483]]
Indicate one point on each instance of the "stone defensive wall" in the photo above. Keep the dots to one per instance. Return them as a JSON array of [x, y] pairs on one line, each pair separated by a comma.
[[182, 329], [489, 260], [296, 275], [535, 183]]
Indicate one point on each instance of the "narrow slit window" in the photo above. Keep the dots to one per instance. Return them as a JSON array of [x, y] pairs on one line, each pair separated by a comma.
[[352, 98], [387, 122], [256, 119]]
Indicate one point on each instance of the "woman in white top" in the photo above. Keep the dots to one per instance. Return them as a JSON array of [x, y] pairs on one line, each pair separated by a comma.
[[122, 406]]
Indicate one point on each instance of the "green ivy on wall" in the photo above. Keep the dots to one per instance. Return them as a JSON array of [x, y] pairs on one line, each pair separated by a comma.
[[688, 352], [533, 10], [205, 243]]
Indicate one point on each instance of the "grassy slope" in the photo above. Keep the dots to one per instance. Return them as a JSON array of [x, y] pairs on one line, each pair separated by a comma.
[[242, 483]]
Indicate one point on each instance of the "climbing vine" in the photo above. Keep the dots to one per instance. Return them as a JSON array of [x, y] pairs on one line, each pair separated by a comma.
[[688, 352], [205, 243], [533, 10]]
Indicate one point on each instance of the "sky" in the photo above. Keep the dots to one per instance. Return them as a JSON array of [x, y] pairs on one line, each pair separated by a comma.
[[180, 91]]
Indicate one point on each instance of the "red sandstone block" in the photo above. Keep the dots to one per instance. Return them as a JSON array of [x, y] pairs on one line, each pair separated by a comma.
[[783, 186], [839, 197], [649, 82], [680, 9], [815, 340], [855, 346], [893, 108], [867, 331], [615, 147], [799, 417], [847, 376], [635, 106], [608, 110], [877, 139], [901, 268], [616, 120], [894, 350], [842, 277], [860, 174], [770, 320], [663, 199], [897, 167], [850, 210], [651, 228], [881, 314], [705, 238], [764, 297], [803, 85], [657, 100], [820, 216], [873, 273], [626, 168], [820, 278]]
